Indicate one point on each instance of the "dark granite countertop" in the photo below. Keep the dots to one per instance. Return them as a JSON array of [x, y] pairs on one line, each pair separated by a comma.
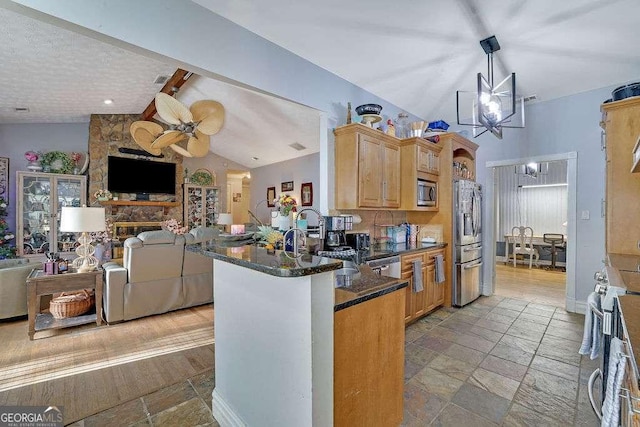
[[275, 263], [391, 249], [366, 285]]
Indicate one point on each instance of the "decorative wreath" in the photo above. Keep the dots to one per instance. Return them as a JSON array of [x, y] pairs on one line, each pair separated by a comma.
[[202, 177], [58, 161]]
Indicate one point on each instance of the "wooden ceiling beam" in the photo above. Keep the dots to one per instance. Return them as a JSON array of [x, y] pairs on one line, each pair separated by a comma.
[[176, 81]]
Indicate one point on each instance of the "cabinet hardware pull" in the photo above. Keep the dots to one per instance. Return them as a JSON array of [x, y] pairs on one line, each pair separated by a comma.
[[592, 379], [603, 140]]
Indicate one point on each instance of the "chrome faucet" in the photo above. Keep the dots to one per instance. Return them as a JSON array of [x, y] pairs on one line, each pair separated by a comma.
[[320, 220]]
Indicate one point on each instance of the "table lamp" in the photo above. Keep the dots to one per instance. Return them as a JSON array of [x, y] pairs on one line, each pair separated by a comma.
[[225, 219], [83, 220]]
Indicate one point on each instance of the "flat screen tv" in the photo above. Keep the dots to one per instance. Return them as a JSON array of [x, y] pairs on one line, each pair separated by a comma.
[[138, 176]]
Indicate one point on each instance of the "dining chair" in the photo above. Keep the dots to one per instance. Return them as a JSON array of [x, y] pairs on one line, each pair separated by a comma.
[[556, 242], [523, 244]]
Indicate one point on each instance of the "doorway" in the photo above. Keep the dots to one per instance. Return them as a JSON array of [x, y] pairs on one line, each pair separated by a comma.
[[536, 284], [238, 195]]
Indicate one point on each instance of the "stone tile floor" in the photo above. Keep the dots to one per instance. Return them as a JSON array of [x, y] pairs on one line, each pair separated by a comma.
[[497, 361]]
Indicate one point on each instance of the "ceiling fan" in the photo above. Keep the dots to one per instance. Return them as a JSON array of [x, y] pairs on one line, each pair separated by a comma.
[[195, 124]]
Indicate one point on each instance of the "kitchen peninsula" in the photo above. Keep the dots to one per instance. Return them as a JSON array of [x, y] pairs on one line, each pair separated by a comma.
[[291, 349]]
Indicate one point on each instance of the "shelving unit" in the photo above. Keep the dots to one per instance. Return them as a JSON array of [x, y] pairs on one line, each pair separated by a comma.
[[41, 197], [201, 205]]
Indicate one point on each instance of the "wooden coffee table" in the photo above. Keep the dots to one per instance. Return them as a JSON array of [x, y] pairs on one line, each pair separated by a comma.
[[39, 284]]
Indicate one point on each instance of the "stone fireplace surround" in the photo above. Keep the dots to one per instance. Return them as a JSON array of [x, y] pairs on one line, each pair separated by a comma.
[[108, 133]]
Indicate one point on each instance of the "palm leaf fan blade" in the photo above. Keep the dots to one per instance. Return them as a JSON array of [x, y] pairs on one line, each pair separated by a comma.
[[198, 145], [168, 138], [209, 114], [144, 133], [171, 110], [180, 150]]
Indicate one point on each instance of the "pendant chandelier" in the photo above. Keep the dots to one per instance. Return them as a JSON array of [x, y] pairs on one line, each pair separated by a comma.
[[491, 107]]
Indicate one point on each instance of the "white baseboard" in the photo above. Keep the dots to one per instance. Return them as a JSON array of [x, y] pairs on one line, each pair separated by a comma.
[[223, 412], [580, 307]]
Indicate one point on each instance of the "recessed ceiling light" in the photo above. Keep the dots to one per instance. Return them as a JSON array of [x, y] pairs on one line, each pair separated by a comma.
[[108, 101], [254, 158]]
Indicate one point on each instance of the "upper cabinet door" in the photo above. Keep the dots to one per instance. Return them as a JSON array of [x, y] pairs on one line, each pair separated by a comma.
[[369, 172], [391, 176]]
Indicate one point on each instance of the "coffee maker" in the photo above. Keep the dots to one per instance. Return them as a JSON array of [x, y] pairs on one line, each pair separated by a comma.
[[335, 231]]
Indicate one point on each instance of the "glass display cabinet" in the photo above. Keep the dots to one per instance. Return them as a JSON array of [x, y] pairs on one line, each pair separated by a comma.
[[41, 197], [201, 205]]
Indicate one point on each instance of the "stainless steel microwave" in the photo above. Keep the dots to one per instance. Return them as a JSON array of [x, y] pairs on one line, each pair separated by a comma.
[[427, 193]]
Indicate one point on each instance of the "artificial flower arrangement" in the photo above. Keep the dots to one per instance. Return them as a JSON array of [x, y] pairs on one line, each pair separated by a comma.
[[103, 236], [285, 204], [76, 158], [6, 249], [31, 156], [174, 226], [103, 195]]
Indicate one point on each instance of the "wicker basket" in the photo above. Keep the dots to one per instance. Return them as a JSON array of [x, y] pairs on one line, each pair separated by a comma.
[[70, 304]]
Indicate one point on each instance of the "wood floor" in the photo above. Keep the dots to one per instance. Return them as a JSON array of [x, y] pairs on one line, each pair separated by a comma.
[[536, 285], [89, 369]]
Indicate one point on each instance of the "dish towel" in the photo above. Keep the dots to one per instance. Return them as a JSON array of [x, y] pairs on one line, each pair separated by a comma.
[[592, 334], [439, 268], [617, 364], [417, 276]]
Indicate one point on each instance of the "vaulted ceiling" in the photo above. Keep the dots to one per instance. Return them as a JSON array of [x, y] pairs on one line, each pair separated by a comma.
[[414, 54]]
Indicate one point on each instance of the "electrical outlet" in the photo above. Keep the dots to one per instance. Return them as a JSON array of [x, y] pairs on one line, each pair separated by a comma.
[[584, 215]]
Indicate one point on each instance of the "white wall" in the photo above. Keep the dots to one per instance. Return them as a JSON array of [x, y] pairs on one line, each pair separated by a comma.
[[17, 139], [300, 170], [544, 209], [558, 126], [219, 166]]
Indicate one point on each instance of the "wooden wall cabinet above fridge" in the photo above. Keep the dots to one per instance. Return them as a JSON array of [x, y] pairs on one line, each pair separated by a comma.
[[420, 160], [622, 127], [367, 168]]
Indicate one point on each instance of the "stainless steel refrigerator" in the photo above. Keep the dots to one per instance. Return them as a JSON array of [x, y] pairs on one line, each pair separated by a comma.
[[467, 239]]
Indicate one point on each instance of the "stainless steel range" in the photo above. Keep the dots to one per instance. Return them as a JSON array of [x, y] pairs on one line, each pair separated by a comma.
[[467, 251]]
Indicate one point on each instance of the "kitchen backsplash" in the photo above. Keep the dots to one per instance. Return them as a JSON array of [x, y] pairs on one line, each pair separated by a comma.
[[386, 217]]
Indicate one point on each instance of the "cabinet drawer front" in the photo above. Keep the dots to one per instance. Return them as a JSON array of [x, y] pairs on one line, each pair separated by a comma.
[[407, 261]]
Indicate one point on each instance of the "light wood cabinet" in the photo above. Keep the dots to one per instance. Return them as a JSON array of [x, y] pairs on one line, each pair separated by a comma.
[[428, 158], [368, 367], [41, 197], [420, 159], [455, 148], [367, 172], [622, 128], [418, 304], [201, 205]]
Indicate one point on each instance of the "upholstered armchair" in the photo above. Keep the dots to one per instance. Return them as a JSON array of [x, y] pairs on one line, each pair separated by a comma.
[[13, 287]]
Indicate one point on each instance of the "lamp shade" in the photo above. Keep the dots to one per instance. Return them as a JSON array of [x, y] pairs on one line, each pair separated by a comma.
[[225, 219], [78, 220]]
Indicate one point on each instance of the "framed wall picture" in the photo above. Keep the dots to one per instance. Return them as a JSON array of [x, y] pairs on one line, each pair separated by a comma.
[[4, 178], [287, 186], [271, 197], [307, 194]]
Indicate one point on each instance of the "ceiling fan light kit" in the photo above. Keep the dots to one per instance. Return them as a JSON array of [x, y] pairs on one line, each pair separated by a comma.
[[195, 124], [491, 107]]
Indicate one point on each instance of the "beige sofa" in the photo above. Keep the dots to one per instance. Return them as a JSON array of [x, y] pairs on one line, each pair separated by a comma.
[[13, 286], [157, 276]]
